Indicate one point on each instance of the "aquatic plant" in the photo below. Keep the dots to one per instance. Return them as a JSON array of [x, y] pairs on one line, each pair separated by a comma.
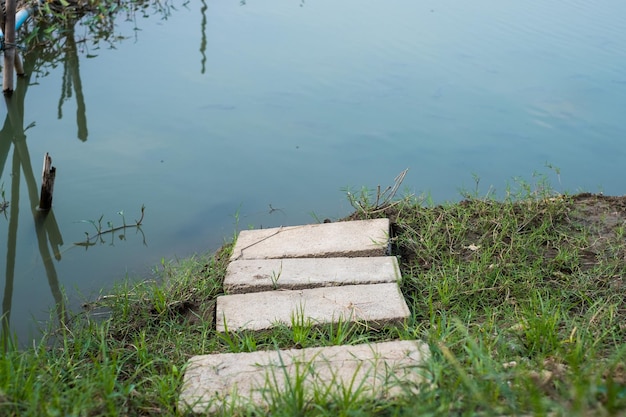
[[110, 228]]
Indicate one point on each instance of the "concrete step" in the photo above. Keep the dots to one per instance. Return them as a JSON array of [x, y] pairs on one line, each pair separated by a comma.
[[326, 240], [375, 304], [233, 380], [256, 275]]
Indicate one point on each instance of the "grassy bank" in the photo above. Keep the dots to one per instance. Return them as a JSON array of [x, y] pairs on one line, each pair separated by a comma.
[[521, 300]]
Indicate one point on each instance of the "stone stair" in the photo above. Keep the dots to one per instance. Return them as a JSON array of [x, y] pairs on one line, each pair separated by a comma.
[[321, 273]]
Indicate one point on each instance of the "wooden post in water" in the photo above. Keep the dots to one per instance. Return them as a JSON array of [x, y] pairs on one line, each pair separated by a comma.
[[9, 47], [47, 183]]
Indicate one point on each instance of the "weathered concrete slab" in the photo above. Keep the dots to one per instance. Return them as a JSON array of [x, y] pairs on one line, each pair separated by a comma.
[[232, 380], [341, 239], [256, 275], [376, 304]]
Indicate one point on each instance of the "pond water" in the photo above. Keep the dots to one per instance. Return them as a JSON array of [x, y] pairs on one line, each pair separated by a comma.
[[222, 115]]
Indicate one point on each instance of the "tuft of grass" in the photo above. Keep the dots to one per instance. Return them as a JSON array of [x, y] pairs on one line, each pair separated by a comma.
[[301, 327], [276, 276], [368, 202], [292, 398]]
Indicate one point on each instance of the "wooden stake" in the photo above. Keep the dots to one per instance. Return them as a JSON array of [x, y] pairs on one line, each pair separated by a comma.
[[9, 47], [47, 183]]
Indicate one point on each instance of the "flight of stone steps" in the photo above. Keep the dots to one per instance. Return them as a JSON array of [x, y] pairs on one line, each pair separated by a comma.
[[317, 274]]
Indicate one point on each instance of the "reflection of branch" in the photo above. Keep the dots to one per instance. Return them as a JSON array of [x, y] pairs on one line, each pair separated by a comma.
[[92, 240], [66, 89], [203, 41], [71, 79], [73, 66], [7, 300], [43, 224], [46, 227]]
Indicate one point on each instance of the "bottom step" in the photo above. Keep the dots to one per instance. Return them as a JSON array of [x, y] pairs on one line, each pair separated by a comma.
[[232, 380]]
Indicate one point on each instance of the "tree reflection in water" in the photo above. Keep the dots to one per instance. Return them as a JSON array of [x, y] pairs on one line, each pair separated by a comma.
[[51, 40]]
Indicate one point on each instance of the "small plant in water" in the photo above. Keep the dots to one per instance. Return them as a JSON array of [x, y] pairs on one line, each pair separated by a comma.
[[110, 228]]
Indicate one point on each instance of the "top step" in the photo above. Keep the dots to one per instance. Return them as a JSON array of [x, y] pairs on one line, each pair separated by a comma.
[[325, 240]]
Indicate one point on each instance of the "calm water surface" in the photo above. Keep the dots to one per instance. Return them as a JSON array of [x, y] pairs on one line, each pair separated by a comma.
[[224, 110]]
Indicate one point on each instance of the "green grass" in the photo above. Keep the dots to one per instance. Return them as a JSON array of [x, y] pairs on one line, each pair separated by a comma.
[[521, 300]]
